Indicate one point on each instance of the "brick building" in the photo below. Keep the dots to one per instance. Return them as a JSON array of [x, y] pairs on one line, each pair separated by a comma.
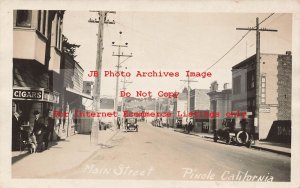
[[275, 96]]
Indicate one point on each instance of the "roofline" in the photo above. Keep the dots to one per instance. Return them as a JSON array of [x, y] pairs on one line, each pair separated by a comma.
[[254, 55]]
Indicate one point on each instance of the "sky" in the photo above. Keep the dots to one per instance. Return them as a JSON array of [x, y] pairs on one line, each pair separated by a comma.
[[173, 41]]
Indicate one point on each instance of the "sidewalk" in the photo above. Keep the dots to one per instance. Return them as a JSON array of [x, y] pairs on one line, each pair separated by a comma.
[[279, 148], [62, 155]]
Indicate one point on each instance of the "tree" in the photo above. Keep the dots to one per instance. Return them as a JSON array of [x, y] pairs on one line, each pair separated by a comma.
[[69, 48]]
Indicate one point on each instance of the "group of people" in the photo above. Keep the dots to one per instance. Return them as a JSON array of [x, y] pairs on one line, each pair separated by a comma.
[[189, 127], [35, 138]]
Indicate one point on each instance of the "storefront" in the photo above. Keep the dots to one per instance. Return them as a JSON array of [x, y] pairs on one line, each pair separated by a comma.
[[27, 100], [73, 102]]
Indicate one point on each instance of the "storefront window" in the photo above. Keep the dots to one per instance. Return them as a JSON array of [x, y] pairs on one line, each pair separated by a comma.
[[24, 18], [237, 85]]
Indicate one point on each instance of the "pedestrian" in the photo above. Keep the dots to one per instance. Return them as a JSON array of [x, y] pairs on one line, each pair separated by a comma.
[[190, 126], [38, 130], [48, 130], [51, 122], [16, 130], [118, 122], [125, 124]]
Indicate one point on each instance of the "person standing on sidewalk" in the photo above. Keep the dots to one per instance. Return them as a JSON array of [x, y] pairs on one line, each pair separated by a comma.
[[118, 122], [190, 126], [48, 129], [38, 130], [16, 130]]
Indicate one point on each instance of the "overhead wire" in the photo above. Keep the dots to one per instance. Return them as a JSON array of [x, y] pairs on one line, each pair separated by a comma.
[[237, 43]]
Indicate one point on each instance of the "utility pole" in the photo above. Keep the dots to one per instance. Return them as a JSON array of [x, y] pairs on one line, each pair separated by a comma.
[[97, 85], [119, 55], [257, 29], [188, 97], [122, 106]]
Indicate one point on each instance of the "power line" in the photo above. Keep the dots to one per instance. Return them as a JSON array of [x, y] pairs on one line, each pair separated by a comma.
[[237, 43], [166, 43]]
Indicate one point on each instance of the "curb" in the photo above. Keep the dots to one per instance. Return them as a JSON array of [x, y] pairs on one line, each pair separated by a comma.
[[254, 146], [272, 150]]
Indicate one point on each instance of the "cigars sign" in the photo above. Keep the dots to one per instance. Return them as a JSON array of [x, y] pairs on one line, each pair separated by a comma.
[[39, 94]]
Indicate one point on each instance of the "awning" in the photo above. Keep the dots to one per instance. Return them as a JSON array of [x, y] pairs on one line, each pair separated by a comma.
[[79, 93]]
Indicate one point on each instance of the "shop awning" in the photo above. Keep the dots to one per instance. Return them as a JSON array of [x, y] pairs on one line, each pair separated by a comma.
[[79, 93]]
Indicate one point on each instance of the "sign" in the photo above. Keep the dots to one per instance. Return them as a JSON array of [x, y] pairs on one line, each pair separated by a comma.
[[265, 110], [249, 113], [38, 94], [51, 97], [28, 94]]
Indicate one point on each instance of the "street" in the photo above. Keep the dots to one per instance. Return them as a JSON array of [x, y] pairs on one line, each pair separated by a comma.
[[161, 153]]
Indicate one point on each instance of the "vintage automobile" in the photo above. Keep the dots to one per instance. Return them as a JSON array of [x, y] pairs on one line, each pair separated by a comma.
[[131, 124], [235, 131]]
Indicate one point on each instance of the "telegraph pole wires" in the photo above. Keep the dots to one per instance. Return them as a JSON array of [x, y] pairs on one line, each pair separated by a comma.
[[188, 97], [119, 55], [123, 102], [257, 29], [97, 85]]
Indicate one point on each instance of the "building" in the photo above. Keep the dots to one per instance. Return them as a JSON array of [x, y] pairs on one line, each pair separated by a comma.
[[199, 103], [37, 49], [220, 102], [180, 105], [72, 95], [199, 100], [275, 91]]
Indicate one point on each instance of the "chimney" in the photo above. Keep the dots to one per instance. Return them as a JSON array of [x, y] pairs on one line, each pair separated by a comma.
[[225, 86], [288, 53], [214, 86]]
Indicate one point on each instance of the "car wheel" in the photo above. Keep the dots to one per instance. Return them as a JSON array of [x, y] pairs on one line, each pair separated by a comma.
[[242, 137]]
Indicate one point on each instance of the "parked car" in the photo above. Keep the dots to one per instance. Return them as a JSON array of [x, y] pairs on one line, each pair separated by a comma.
[[131, 124], [234, 131]]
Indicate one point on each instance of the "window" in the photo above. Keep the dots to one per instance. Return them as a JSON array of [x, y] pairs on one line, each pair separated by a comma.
[[41, 26], [39, 20], [44, 22], [237, 85], [59, 34], [58, 31], [251, 80], [263, 89], [23, 18]]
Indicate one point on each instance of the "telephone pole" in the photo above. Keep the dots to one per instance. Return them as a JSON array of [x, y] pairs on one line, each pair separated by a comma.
[[188, 97], [119, 55], [122, 106], [97, 85], [257, 29]]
